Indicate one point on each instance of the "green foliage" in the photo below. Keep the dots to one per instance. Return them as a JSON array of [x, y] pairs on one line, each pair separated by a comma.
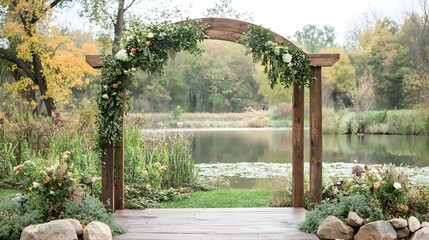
[[147, 48], [177, 112], [284, 64], [313, 38], [92, 209], [159, 160], [141, 196], [50, 187], [340, 208], [406, 122], [15, 215]]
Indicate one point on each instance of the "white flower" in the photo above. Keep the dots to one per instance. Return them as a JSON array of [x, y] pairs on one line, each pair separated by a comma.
[[287, 58], [150, 35], [122, 55], [397, 185], [105, 96], [277, 51], [52, 192], [36, 184], [268, 43]]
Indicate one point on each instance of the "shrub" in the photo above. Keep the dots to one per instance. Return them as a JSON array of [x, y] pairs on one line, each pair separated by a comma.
[[340, 207]]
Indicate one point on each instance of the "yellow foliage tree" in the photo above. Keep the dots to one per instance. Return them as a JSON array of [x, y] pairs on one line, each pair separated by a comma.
[[42, 58]]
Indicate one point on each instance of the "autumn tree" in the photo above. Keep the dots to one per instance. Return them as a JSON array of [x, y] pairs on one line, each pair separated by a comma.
[[44, 61]]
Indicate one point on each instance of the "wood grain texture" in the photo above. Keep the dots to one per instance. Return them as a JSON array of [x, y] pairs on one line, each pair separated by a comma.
[[212, 223], [107, 175], [298, 146], [119, 170], [316, 136]]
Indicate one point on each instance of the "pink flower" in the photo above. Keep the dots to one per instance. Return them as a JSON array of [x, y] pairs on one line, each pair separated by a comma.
[[46, 180], [377, 185]]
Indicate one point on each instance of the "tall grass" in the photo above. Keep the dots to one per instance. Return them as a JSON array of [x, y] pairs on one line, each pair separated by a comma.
[[399, 122], [161, 159]]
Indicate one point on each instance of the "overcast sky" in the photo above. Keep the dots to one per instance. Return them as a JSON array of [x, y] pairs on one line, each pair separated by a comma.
[[285, 17], [288, 16]]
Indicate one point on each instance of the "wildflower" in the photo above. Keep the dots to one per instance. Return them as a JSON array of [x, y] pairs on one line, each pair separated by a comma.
[[95, 179], [145, 173], [148, 43], [46, 180], [122, 55], [397, 185], [287, 58], [16, 168], [115, 85], [150, 35], [162, 168], [36, 184], [49, 169], [105, 96], [133, 51], [268, 43], [376, 185]]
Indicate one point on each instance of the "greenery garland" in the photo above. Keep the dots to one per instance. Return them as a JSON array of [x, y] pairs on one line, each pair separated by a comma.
[[286, 65], [147, 48]]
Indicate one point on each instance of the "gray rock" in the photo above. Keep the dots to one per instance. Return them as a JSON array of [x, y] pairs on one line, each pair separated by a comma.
[[424, 224], [77, 226], [333, 228], [403, 232], [413, 224], [398, 223], [380, 230], [354, 220], [422, 234], [97, 231], [55, 230]]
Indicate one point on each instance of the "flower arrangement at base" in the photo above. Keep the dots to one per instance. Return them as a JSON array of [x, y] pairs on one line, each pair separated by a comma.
[[286, 65], [147, 48]]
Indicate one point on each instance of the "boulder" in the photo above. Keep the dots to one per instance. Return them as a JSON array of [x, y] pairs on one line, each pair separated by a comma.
[[424, 224], [55, 230], [398, 223], [333, 228], [403, 233], [422, 234], [413, 224], [376, 231], [354, 220], [97, 231]]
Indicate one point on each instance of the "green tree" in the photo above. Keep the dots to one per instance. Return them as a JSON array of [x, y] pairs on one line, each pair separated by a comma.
[[313, 38]]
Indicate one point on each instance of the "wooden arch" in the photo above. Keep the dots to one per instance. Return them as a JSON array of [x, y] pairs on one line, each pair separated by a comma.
[[231, 30]]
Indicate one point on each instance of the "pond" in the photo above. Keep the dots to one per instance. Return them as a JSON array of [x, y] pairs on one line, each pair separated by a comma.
[[254, 157]]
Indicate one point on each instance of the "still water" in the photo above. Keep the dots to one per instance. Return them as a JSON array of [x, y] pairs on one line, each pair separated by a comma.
[[230, 152], [275, 146]]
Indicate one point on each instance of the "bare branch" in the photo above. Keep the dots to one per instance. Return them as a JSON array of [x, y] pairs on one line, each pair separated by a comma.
[[129, 5]]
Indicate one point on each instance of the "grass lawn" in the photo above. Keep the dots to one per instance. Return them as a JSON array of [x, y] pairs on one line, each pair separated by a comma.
[[223, 198]]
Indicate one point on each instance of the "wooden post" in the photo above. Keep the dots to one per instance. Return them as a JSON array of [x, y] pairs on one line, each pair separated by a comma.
[[107, 174], [119, 171], [316, 137], [298, 147]]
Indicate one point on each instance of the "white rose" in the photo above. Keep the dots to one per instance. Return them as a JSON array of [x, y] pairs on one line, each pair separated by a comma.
[[150, 35], [287, 58], [122, 55], [397, 185], [105, 96]]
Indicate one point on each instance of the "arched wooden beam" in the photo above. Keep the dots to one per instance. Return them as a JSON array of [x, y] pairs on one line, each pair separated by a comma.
[[231, 30]]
